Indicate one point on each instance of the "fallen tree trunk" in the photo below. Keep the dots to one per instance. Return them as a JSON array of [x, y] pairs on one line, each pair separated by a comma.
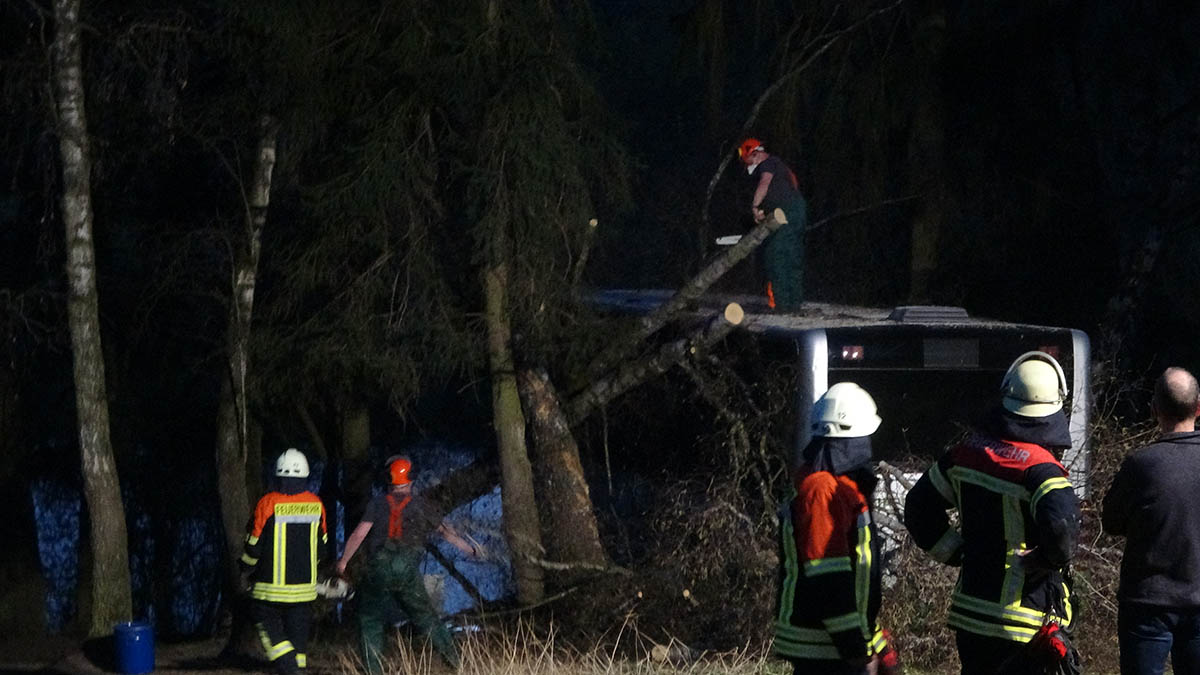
[[689, 292], [571, 536], [481, 476], [632, 374]]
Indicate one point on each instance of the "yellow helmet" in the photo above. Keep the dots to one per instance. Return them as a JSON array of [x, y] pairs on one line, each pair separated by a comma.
[[1034, 386]]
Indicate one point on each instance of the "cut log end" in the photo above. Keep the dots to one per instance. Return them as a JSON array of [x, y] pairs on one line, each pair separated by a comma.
[[734, 313], [779, 216]]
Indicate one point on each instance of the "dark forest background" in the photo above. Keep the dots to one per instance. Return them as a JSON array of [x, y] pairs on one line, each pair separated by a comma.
[[1034, 162]]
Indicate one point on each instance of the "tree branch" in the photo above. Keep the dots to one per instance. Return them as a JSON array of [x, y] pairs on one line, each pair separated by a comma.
[[632, 374], [689, 292]]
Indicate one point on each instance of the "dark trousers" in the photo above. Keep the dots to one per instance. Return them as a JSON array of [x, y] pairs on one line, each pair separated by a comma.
[[822, 667], [1148, 635], [982, 655], [283, 629], [393, 581], [783, 257]]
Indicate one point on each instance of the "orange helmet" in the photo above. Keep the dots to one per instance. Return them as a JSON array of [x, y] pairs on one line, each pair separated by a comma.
[[747, 147], [398, 469]]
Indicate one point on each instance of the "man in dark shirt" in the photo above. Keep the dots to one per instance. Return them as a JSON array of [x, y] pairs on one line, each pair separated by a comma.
[[1154, 503], [783, 251], [392, 535]]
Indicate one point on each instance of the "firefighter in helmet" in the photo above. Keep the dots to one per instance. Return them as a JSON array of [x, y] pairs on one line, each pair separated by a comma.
[[1018, 520], [776, 187], [392, 537], [284, 542], [830, 591]]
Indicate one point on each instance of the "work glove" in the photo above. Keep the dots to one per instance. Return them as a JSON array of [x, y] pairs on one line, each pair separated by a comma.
[[888, 660], [245, 585]]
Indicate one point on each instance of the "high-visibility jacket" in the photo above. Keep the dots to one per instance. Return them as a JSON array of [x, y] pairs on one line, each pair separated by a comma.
[[1012, 498], [284, 542], [830, 577]]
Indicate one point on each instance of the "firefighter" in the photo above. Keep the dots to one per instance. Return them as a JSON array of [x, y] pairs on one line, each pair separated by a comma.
[[783, 252], [284, 542], [1018, 520], [830, 578], [392, 536]]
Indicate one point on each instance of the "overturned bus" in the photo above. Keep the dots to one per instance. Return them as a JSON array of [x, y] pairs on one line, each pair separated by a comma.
[[930, 369]]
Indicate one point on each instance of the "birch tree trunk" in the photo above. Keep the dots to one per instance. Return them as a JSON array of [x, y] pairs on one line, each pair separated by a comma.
[[521, 526], [111, 600], [233, 429], [573, 538]]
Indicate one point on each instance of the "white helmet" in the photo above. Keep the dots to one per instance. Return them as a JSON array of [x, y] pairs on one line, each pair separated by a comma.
[[291, 464], [1034, 385], [845, 410]]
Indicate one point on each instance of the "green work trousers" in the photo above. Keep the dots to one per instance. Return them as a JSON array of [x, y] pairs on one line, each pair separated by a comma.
[[783, 257], [393, 581]]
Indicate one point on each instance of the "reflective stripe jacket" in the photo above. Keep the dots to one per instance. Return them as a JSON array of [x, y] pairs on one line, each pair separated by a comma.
[[283, 545], [1011, 498], [830, 582]]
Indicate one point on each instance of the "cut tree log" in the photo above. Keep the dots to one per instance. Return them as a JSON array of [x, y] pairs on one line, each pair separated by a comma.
[[581, 264], [689, 292], [632, 374], [568, 517]]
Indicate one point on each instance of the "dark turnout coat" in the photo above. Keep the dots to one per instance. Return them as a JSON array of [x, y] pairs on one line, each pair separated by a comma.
[[1019, 519], [830, 573]]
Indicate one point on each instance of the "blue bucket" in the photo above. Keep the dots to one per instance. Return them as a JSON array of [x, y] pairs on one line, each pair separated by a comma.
[[133, 643]]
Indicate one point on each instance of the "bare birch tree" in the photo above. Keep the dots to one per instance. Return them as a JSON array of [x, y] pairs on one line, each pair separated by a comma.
[[233, 435], [111, 600]]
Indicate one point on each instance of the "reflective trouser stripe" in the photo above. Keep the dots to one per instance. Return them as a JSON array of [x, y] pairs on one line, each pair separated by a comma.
[[274, 651], [805, 650], [301, 660], [989, 629], [811, 643], [1010, 614], [272, 593]]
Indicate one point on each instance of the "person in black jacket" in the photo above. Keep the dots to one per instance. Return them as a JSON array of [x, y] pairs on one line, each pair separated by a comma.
[[1018, 522], [1155, 504]]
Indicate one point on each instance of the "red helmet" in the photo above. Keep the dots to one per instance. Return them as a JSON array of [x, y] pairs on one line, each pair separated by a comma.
[[748, 146], [398, 470]]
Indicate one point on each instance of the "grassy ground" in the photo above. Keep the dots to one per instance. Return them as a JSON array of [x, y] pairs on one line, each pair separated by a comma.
[[521, 652]]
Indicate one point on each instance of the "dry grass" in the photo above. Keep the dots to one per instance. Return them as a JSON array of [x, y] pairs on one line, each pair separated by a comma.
[[523, 649], [702, 597]]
